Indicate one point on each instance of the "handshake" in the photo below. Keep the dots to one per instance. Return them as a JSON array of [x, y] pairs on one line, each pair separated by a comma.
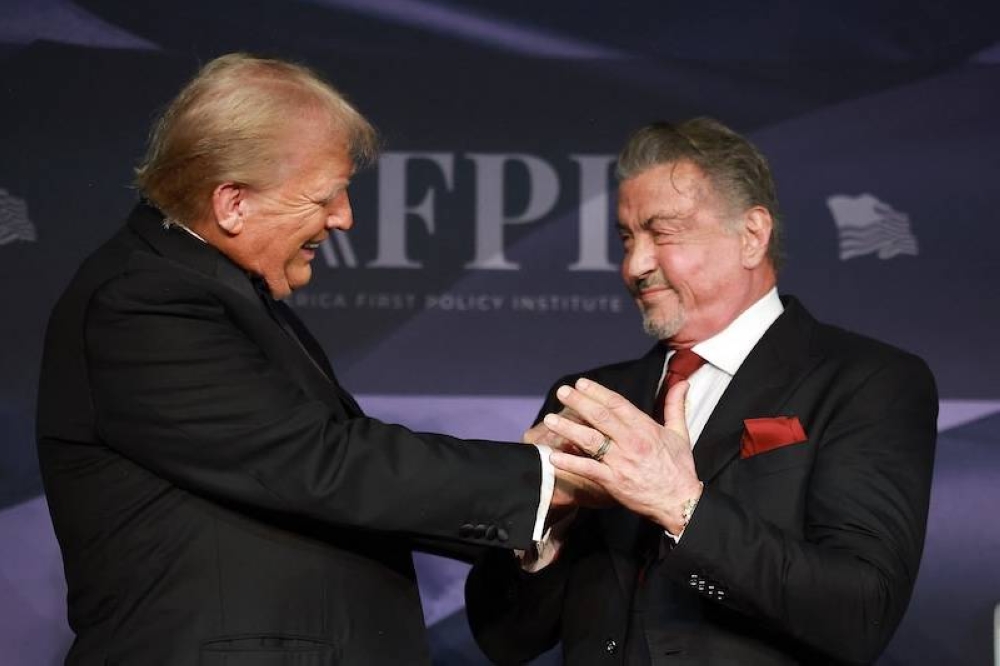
[[605, 451]]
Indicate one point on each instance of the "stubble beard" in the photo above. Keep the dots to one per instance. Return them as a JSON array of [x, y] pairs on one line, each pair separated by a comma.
[[663, 329]]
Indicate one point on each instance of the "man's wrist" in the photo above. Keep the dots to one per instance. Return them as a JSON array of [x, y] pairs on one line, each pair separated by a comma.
[[678, 515], [689, 505]]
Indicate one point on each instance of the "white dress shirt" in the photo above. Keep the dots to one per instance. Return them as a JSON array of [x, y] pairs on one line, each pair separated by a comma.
[[724, 353]]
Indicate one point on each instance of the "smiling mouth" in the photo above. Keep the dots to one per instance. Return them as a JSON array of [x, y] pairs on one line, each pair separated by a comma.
[[649, 287], [652, 289]]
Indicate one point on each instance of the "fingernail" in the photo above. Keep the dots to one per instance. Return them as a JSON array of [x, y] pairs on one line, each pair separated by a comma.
[[563, 391], [582, 383], [551, 419]]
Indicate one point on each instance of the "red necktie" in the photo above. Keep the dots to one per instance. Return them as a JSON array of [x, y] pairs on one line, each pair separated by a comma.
[[681, 365]]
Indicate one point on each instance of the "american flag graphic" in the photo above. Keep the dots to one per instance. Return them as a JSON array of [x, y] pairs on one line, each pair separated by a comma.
[[867, 225], [14, 222]]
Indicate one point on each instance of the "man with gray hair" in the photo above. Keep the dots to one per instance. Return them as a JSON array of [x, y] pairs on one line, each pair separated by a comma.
[[778, 514], [218, 497]]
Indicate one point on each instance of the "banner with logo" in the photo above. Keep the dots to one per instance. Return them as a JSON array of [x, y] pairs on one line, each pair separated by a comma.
[[484, 261]]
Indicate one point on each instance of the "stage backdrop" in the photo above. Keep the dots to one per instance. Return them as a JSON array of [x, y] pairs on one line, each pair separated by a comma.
[[483, 261]]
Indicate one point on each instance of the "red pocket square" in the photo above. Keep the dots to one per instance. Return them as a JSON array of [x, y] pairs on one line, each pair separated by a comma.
[[760, 435]]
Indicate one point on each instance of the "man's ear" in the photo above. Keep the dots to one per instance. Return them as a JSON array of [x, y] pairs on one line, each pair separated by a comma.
[[757, 226], [228, 206]]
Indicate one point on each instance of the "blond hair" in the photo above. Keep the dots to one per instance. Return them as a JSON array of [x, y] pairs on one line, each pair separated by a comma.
[[231, 123]]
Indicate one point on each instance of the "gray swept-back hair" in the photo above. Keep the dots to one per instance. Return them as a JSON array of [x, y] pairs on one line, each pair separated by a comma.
[[734, 166]]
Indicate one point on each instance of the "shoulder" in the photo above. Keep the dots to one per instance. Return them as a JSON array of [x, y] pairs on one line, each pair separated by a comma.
[[860, 356], [143, 277], [125, 279], [615, 375]]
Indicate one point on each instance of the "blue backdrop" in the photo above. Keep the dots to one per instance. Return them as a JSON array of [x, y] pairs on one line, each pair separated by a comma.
[[483, 261]]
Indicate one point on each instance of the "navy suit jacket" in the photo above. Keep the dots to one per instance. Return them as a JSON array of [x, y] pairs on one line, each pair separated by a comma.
[[804, 554], [218, 497]]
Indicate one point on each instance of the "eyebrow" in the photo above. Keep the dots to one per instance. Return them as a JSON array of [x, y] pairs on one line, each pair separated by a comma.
[[661, 216], [333, 192]]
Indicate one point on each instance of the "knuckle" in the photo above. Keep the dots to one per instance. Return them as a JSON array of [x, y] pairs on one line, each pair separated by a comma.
[[602, 415], [616, 401]]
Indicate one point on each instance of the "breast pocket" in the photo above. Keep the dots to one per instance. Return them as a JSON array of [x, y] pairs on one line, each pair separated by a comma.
[[268, 650], [774, 484], [777, 460]]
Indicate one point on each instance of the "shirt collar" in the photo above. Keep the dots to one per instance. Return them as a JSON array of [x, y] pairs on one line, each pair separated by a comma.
[[728, 348], [170, 222]]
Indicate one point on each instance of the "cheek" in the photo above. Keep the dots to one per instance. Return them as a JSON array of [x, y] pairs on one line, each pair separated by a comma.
[[716, 273], [692, 272], [677, 262], [305, 229]]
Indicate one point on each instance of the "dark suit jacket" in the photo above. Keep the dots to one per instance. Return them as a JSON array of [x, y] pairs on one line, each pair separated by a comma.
[[218, 497], [803, 554]]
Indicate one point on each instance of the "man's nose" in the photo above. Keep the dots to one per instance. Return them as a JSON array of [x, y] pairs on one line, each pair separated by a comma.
[[341, 216], [640, 260]]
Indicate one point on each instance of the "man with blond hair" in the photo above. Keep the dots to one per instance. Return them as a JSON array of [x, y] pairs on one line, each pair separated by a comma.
[[218, 497]]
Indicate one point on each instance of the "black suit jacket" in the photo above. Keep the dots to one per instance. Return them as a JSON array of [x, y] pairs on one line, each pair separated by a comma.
[[803, 554], [218, 497]]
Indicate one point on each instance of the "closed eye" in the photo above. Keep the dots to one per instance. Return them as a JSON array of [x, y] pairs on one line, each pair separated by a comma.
[[326, 200], [625, 236]]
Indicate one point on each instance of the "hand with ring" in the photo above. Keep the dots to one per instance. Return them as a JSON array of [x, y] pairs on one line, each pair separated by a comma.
[[570, 489], [646, 467], [542, 434]]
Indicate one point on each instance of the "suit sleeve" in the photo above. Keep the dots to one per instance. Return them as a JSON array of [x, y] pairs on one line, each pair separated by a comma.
[[842, 585], [514, 615], [180, 389]]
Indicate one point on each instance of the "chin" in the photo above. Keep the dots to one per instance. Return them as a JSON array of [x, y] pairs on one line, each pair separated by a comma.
[[299, 278], [662, 326]]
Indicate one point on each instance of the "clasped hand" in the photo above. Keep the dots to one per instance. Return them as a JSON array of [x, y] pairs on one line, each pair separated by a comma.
[[648, 468]]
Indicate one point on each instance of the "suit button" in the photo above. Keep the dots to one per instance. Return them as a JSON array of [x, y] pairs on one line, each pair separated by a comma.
[[466, 530], [479, 531], [491, 532], [611, 646], [502, 534]]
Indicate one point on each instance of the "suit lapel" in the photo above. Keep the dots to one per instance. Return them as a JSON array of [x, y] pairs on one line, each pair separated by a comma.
[[760, 387], [315, 351], [305, 362], [637, 381]]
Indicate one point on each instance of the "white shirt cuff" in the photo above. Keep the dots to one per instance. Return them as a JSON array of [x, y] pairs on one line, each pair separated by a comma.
[[545, 493], [545, 551]]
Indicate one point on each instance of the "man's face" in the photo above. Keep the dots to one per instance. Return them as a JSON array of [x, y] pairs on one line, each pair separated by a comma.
[[683, 262], [285, 224]]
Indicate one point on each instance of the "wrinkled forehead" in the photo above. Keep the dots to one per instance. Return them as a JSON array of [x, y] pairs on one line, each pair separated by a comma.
[[673, 187]]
